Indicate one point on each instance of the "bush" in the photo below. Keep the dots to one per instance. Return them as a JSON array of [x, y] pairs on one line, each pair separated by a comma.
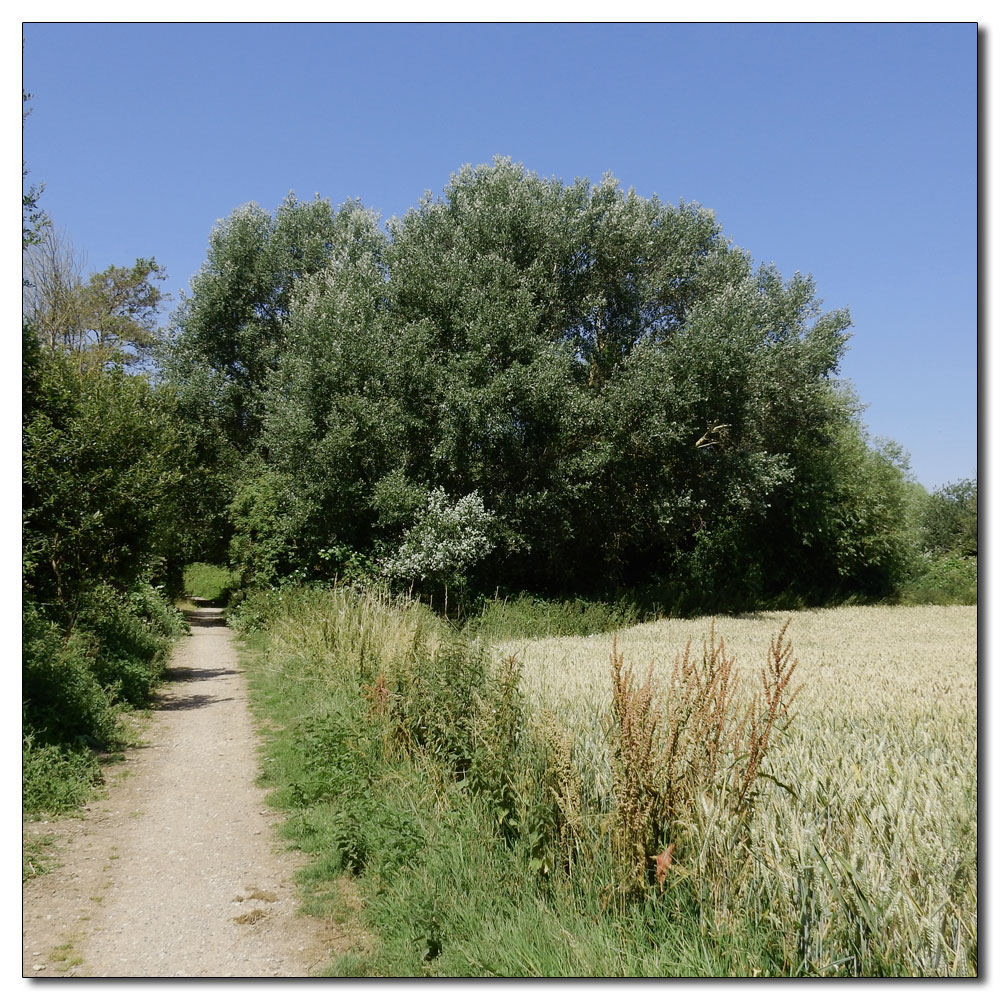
[[73, 686], [63, 701], [55, 778], [947, 579], [446, 540], [133, 633]]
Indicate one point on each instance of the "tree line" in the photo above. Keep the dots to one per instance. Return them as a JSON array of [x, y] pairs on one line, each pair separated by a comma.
[[595, 390]]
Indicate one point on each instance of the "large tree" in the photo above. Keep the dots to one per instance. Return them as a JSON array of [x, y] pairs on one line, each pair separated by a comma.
[[628, 395], [230, 332]]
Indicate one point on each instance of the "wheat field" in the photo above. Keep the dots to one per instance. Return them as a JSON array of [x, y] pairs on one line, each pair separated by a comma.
[[864, 847]]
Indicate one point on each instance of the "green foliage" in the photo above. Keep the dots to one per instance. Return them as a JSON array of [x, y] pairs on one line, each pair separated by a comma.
[[839, 530], [103, 478], [54, 778], [225, 341], [63, 700], [533, 617], [403, 757], [133, 633], [945, 526], [208, 582], [631, 400], [230, 332], [950, 520], [104, 528], [944, 579], [74, 685]]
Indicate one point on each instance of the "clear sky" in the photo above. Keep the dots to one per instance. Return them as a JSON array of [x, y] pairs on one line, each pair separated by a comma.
[[847, 151]]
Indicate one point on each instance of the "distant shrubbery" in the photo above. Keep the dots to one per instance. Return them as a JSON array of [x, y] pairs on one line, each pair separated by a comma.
[[529, 616], [209, 582], [944, 579], [947, 568]]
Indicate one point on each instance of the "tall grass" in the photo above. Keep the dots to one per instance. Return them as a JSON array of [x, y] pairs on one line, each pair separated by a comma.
[[405, 758], [527, 616], [523, 815]]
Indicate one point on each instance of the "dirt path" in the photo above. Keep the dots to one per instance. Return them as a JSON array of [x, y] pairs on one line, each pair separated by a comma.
[[178, 872]]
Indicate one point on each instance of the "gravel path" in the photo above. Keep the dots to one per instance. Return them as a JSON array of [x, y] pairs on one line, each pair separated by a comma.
[[177, 872]]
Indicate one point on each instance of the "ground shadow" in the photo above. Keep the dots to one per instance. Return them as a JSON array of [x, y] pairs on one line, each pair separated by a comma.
[[173, 700], [184, 702], [206, 617], [197, 673]]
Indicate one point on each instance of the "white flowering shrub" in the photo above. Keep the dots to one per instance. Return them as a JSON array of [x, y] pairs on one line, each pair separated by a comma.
[[446, 540]]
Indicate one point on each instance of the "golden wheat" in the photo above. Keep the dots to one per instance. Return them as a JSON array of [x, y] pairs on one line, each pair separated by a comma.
[[865, 849]]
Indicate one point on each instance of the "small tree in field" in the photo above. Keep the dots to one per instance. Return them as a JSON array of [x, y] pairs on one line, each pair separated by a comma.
[[445, 542]]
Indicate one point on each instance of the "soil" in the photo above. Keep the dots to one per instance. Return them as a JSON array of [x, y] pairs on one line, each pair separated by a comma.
[[179, 870]]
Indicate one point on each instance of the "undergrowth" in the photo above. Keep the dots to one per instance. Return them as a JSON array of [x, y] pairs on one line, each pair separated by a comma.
[[945, 579], [78, 682], [528, 616]]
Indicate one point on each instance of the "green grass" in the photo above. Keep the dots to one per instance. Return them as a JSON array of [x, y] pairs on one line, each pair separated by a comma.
[[526, 616], [434, 778], [54, 778], [38, 855], [209, 583]]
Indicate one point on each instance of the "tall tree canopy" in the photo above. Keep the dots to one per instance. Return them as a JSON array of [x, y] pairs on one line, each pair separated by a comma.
[[626, 395]]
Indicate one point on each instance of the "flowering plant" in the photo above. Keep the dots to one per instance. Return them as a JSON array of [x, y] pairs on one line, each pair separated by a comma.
[[446, 540]]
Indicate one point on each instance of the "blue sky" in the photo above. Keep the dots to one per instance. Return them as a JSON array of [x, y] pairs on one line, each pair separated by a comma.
[[848, 151]]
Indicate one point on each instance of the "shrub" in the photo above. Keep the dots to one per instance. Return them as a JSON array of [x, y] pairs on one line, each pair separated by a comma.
[[73, 684], [63, 701], [55, 778], [132, 634], [946, 579], [446, 541]]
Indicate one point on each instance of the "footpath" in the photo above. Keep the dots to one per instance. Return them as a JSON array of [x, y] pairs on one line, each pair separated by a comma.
[[178, 871]]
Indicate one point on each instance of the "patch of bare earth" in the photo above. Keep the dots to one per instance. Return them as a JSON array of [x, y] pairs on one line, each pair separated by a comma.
[[178, 872]]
